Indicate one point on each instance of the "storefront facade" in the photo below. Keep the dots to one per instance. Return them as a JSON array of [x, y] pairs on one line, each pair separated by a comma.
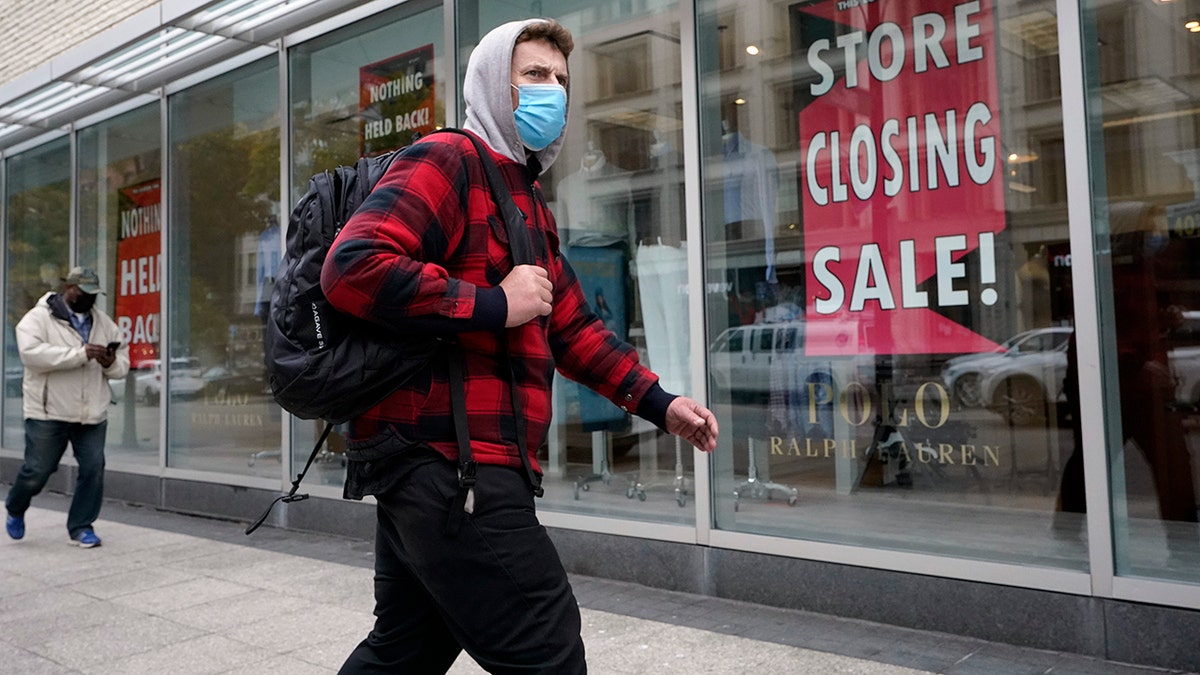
[[931, 264]]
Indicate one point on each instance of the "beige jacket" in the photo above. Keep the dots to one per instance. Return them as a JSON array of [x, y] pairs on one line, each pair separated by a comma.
[[60, 383]]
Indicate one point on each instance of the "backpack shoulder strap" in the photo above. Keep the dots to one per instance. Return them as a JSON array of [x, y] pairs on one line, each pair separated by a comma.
[[521, 248]]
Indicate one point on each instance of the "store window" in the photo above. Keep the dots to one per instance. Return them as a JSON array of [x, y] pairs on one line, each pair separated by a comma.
[[1146, 174], [888, 277], [616, 190], [37, 210], [120, 236], [361, 91], [222, 230]]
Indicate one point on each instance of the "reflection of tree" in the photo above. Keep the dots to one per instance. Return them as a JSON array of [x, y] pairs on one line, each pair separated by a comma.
[[38, 231], [323, 136], [262, 180], [232, 186]]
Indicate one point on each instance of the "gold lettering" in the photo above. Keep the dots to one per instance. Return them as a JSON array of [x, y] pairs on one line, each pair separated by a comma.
[[944, 407], [944, 450], [776, 445], [830, 444], [925, 453], [809, 450], [794, 447], [814, 400], [967, 453], [904, 453], [991, 455], [844, 403]]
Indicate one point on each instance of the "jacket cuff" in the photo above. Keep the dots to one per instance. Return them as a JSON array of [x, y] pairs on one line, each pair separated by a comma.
[[491, 308], [654, 404]]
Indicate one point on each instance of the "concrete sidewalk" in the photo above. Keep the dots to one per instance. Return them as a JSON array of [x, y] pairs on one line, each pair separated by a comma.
[[168, 593]]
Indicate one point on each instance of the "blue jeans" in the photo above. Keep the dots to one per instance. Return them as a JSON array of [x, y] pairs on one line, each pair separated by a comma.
[[45, 443]]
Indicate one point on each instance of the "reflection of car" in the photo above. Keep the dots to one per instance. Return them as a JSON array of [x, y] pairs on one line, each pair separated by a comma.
[[962, 374], [117, 387], [1184, 358], [185, 378], [222, 381], [13, 369], [12, 379], [756, 358], [1019, 383]]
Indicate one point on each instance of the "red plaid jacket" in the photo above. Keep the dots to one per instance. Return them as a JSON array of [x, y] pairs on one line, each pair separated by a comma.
[[427, 252]]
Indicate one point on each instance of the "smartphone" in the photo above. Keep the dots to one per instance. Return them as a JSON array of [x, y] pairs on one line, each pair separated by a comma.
[[112, 346]]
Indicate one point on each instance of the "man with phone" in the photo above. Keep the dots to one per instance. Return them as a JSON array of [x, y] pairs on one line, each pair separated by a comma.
[[70, 349]]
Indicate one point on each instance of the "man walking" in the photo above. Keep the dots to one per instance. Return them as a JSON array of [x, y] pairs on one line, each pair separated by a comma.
[[428, 251], [69, 349]]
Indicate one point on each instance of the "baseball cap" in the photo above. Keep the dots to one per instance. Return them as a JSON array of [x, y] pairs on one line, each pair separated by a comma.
[[86, 279]]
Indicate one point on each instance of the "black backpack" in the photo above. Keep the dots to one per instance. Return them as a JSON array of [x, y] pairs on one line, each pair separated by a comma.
[[324, 364], [321, 363]]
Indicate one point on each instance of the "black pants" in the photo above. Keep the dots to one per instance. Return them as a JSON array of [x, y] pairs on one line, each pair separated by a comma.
[[496, 589]]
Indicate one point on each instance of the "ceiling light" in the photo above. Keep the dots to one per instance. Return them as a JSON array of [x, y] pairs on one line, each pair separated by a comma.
[[752, 50], [739, 101], [1192, 24]]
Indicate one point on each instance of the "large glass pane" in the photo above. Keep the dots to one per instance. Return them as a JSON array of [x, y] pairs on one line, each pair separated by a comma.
[[360, 91], [888, 274], [37, 253], [224, 204], [1142, 61], [616, 190], [120, 235]]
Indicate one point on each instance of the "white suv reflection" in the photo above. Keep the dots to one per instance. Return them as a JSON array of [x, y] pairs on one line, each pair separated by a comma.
[[764, 360], [185, 379], [1020, 383], [963, 374]]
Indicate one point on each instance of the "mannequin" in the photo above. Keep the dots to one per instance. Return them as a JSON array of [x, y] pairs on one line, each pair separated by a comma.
[[751, 191], [594, 202], [661, 263]]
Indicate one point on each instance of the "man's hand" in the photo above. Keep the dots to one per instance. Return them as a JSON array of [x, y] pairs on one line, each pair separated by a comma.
[[101, 354], [529, 293], [693, 423]]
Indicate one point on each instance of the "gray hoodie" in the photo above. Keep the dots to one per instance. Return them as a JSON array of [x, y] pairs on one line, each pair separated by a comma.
[[488, 95]]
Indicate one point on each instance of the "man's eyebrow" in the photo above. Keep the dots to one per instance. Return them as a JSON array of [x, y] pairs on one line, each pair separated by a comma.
[[537, 63]]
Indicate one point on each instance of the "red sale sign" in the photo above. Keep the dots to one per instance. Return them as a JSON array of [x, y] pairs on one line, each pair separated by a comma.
[[396, 101], [901, 173], [139, 280]]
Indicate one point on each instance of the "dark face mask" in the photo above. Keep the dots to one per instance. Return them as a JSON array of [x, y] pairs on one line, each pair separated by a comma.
[[83, 303]]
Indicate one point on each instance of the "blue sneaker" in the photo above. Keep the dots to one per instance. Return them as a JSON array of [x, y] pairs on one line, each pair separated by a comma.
[[86, 539], [15, 526]]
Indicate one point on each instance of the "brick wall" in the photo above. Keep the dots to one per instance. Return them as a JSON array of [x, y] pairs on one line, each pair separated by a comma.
[[35, 31]]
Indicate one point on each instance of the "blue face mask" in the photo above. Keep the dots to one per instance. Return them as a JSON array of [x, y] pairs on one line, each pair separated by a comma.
[[541, 113]]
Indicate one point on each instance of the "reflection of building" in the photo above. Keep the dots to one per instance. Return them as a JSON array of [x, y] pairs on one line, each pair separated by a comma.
[[690, 106], [246, 287]]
